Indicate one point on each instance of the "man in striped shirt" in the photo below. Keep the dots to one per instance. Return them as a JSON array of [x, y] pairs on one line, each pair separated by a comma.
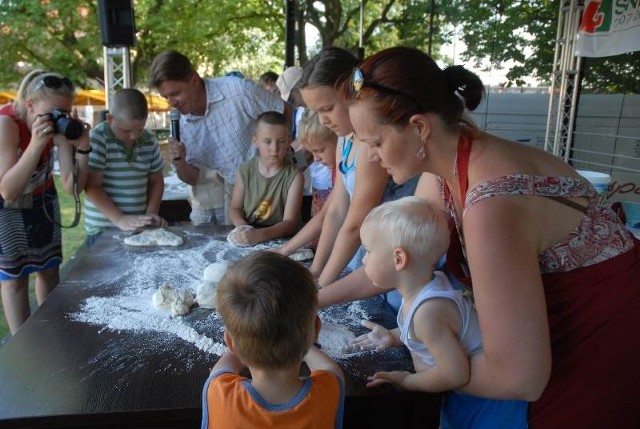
[[125, 183]]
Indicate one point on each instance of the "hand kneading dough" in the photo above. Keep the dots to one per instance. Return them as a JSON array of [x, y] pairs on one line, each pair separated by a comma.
[[302, 255], [206, 294], [167, 298], [215, 271], [154, 237], [233, 235]]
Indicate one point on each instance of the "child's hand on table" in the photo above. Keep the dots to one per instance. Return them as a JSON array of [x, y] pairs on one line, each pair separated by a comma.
[[378, 339]]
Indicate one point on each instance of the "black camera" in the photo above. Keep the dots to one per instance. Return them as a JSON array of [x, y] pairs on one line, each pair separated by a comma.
[[66, 125]]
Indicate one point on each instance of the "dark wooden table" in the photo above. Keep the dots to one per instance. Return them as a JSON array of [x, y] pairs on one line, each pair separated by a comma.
[[60, 372]]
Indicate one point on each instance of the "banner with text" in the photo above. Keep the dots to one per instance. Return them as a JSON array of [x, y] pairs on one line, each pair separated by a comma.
[[609, 27]]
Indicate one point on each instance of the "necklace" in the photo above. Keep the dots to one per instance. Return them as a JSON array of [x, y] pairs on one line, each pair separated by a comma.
[[455, 165], [343, 166]]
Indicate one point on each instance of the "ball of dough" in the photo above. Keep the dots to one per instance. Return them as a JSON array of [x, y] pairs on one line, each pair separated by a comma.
[[163, 297], [179, 307], [233, 235], [302, 255], [186, 296], [214, 272], [206, 294], [168, 298]]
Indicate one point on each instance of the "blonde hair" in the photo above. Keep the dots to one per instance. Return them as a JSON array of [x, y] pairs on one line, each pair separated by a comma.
[[268, 304], [413, 224], [310, 127], [32, 87]]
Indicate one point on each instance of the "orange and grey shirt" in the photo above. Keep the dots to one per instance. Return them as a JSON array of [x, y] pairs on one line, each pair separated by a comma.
[[230, 401]]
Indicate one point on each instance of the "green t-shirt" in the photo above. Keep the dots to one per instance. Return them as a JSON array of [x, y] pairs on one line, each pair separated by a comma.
[[265, 197]]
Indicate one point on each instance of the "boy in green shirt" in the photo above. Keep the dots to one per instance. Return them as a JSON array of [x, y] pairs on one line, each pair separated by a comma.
[[268, 190]]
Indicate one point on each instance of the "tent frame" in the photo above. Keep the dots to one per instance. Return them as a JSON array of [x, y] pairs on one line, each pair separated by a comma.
[[117, 71], [565, 81]]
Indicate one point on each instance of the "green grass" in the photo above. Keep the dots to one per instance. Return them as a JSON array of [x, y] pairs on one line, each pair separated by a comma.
[[72, 238]]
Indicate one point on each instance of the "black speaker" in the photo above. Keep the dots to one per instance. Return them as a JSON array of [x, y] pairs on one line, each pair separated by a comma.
[[290, 32], [117, 26]]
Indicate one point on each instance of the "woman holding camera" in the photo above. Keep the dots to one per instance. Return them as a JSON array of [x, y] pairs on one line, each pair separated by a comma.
[[30, 235]]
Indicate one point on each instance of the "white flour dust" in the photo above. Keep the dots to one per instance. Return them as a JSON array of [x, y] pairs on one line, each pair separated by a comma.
[[337, 329], [335, 339], [129, 309], [135, 313]]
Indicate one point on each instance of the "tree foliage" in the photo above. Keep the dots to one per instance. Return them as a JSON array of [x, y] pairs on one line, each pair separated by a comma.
[[522, 34], [385, 23], [249, 36], [52, 35]]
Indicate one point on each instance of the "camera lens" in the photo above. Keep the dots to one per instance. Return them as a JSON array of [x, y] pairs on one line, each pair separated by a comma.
[[70, 128]]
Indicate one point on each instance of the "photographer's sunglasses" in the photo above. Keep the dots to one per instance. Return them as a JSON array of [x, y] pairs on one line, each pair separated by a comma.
[[53, 82], [358, 82]]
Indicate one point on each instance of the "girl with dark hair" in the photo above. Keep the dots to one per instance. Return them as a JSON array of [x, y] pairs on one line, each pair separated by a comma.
[[555, 273]]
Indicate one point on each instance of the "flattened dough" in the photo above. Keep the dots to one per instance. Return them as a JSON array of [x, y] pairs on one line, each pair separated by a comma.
[[154, 237], [302, 255], [233, 235]]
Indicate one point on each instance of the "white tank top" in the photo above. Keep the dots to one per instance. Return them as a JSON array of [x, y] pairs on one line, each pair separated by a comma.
[[440, 287]]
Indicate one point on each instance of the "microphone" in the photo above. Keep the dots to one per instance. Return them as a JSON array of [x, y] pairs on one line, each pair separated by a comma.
[[174, 127]]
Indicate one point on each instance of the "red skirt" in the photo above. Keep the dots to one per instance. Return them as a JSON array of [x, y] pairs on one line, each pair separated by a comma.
[[594, 323], [594, 320]]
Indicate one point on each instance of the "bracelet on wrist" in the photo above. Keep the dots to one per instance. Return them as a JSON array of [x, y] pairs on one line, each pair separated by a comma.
[[84, 151]]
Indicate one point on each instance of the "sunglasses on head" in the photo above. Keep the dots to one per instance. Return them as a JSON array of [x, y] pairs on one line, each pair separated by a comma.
[[53, 82], [358, 82]]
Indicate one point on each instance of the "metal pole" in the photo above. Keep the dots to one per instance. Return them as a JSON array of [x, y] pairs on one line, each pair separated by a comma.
[[117, 71], [432, 12], [107, 76], [360, 41]]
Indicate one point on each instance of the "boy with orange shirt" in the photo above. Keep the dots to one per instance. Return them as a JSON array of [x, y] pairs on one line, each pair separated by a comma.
[[268, 304]]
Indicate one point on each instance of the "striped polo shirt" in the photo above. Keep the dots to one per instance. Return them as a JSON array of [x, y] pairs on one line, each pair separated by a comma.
[[125, 173]]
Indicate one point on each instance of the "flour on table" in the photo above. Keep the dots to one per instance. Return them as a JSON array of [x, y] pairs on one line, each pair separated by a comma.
[[154, 237], [302, 255], [233, 236], [126, 306], [335, 339], [168, 298]]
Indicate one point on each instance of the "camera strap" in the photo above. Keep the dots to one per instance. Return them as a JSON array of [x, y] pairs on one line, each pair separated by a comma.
[[76, 194], [76, 197]]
